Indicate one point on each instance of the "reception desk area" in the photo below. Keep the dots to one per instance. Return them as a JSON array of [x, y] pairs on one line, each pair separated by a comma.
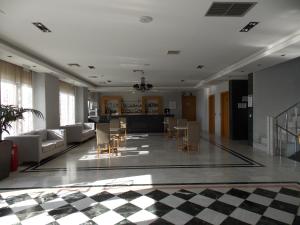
[[138, 123]]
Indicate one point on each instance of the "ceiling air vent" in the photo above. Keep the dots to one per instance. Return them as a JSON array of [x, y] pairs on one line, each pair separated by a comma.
[[173, 52], [230, 9]]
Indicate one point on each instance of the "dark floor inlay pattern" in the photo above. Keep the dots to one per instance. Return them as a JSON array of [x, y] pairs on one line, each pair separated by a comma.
[[160, 206]]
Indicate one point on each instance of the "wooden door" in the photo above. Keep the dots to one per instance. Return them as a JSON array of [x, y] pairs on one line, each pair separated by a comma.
[[189, 108], [225, 114], [211, 111]]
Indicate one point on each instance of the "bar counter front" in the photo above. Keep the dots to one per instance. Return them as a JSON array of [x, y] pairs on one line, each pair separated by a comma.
[[142, 123]]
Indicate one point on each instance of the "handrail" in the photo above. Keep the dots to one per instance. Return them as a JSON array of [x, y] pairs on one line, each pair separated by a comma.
[[291, 133], [288, 109]]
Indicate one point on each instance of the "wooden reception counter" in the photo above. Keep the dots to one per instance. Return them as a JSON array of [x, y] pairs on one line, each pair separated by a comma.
[[142, 123]]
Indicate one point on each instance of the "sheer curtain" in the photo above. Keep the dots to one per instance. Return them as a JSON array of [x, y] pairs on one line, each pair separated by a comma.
[[16, 89], [66, 103]]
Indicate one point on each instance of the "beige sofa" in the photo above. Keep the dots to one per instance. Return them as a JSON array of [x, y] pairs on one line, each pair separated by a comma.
[[37, 145], [79, 132]]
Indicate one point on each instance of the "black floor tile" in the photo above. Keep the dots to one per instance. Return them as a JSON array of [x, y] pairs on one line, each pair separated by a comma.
[[46, 198], [127, 210], [18, 198], [62, 211], [265, 193], [222, 207], [5, 211], [30, 212], [103, 196], [90, 222], [296, 220], [190, 208], [95, 210], [125, 222], [161, 221], [159, 209], [268, 221], [290, 192], [233, 221], [53, 223], [284, 206], [211, 193], [253, 207], [74, 197], [196, 221], [157, 195], [129, 195], [184, 194], [238, 193]]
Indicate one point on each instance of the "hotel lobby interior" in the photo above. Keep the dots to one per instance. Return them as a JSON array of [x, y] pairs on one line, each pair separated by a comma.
[[149, 112]]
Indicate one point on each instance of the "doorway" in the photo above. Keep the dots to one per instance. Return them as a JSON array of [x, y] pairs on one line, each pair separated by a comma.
[[211, 113], [225, 114], [189, 108]]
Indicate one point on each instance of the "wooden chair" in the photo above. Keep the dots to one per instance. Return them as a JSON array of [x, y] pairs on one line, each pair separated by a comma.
[[103, 137], [180, 133], [123, 128], [192, 138], [115, 132], [172, 123], [166, 125]]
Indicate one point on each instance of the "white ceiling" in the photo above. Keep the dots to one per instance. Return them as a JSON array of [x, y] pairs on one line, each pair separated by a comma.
[[108, 35]]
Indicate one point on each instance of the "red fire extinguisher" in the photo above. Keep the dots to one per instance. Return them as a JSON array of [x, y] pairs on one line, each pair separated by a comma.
[[14, 158]]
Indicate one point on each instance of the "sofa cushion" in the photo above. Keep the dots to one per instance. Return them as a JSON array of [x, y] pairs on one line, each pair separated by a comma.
[[42, 133], [48, 146], [59, 143]]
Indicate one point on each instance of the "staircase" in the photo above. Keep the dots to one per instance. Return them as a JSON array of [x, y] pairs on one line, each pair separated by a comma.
[[287, 131]]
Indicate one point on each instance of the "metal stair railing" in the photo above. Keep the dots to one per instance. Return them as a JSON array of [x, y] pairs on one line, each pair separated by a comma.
[[287, 131]]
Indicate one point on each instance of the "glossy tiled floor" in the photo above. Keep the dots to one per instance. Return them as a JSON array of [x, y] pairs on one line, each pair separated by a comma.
[[167, 186]]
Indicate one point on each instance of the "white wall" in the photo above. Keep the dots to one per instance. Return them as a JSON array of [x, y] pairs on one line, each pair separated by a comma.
[[274, 90], [202, 105], [167, 97]]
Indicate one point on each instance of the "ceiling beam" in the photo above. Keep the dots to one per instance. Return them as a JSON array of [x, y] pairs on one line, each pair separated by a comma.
[[275, 47], [44, 63]]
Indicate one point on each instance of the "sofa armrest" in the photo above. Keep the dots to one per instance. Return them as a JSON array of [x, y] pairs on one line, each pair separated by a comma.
[[29, 147], [57, 134], [89, 126], [73, 133]]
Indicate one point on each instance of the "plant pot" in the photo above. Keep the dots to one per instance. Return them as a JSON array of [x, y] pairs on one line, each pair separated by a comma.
[[5, 157]]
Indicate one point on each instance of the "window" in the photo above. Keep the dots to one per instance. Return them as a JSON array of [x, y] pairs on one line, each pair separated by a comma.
[[66, 104], [16, 89]]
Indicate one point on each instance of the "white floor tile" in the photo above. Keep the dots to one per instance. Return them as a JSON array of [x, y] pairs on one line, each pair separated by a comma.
[[172, 201], [142, 217], [54, 204], [202, 200], [211, 216], [74, 219], [279, 215], [114, 202], [41, 219], [245, 216], [108, 218], [143, 202], [231, 200], [177, 217], [84, 203]]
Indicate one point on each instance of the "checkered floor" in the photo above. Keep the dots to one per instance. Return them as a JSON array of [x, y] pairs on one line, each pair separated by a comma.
[[195, 204]]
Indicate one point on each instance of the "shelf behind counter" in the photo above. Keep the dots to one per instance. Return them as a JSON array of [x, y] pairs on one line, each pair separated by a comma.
[[140, 123]]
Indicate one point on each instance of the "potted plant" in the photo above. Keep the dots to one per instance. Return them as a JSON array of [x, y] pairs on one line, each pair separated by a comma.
[[8, 115]]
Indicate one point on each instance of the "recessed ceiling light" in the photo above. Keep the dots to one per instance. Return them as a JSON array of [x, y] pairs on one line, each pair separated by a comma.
[[93, 77], [242, 71], [92, 67], [109, 81], [200, 66], [74, 64], [33, 66], [146, 19], [258, 64], [249, 26], [283, 55], [182, 80], [9, 56], [42, 27], [146, 64], [1, 11], [173, 52]]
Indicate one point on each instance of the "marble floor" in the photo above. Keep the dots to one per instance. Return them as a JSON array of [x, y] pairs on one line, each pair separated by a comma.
[[150, 181]]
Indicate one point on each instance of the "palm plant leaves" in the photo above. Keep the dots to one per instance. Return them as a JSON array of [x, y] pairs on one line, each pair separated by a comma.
[[11, 113]]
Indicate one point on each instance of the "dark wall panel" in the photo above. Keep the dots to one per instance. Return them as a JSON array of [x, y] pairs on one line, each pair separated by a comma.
[[238, 91], [250, 109]]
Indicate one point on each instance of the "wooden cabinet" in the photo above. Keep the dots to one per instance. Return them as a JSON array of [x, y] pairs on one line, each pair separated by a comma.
[[189, 108], [111, 103], [152, 104]]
